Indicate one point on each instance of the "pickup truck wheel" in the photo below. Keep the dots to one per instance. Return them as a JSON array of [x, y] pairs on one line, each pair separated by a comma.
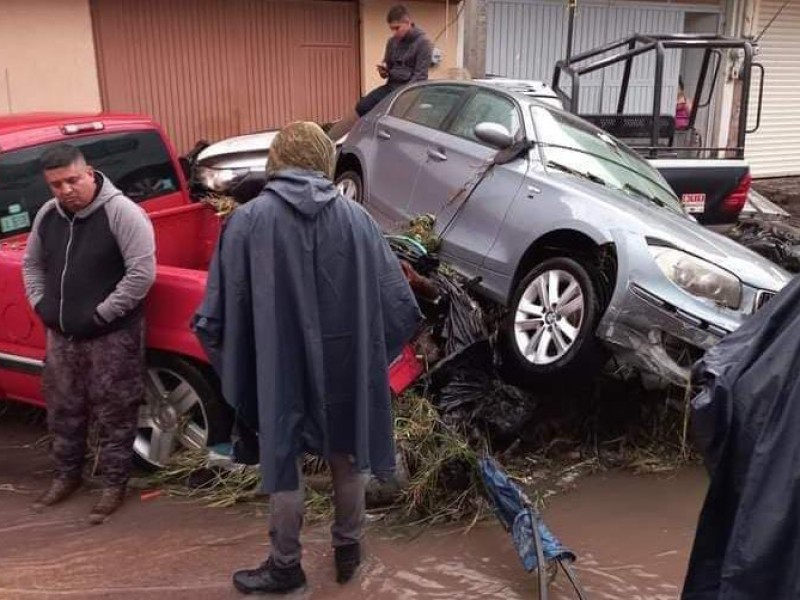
[[550, 330], [350, 186], [183, 411]]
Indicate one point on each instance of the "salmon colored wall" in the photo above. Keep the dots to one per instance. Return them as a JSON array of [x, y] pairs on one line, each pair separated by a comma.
[[432, 16], [47, 59]]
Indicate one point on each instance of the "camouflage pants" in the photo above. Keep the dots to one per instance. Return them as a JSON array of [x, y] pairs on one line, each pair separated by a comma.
[[100, 379]]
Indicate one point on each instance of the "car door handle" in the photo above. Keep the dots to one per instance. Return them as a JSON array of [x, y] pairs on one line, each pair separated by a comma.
[[384, 135], [437, 155]]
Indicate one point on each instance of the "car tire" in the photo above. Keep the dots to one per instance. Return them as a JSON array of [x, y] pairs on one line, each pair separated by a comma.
[[543, 341], [351, 186], [184, 410]]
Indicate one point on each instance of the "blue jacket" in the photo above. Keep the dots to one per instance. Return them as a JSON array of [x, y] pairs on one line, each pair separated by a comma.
[[306, 307]]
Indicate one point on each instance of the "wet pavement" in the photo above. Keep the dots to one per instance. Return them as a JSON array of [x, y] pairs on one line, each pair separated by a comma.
[[632, 535]]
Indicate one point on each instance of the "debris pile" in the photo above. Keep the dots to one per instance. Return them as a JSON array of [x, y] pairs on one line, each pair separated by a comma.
[[462, 408], [777, 240]]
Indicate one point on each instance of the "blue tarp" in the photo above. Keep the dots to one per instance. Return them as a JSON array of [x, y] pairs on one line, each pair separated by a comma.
[[518, 516]]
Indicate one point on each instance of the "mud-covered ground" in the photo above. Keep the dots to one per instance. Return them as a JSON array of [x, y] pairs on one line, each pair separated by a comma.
[[632, 535]]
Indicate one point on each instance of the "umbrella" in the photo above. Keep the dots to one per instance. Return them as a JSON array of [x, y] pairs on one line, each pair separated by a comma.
[[535, 543]]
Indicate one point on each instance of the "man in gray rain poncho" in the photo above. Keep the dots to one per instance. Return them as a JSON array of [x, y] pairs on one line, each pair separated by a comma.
[[306, 307]]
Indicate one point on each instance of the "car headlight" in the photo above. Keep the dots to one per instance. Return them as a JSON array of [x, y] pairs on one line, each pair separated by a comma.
[[699, 277], [220, 180]]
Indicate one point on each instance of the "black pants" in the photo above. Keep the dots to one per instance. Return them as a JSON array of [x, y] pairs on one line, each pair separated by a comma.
[[371, 100]]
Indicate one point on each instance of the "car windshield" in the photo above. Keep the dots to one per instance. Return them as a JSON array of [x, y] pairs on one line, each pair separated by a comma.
[[572, 146]]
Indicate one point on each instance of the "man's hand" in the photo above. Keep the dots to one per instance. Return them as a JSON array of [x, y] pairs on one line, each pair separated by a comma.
[[382, 70]]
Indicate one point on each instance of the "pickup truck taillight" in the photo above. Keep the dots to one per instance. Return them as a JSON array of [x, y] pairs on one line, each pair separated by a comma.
[[735, 201]]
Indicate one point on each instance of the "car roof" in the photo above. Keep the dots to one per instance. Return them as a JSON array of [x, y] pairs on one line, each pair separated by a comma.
[[28, 129], [526, 87], [525, 91]]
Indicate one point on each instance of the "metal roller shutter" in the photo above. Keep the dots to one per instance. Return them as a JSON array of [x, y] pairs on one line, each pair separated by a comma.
[[525, 38], [774, 150], [216, 68]]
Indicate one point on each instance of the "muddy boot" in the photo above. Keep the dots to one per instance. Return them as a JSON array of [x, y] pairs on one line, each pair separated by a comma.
[[110, 500], [269, 579], [347, 559], [60, 489]]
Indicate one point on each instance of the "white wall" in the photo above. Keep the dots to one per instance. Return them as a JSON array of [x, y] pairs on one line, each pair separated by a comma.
[[47, 58]]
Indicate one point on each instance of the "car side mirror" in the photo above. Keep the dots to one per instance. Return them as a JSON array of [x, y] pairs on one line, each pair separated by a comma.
[[495, 135]]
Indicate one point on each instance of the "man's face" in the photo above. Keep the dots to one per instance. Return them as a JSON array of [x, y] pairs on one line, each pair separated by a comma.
[[74, 186], [400, 28]]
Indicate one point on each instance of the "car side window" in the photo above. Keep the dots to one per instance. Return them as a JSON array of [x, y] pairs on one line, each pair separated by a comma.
[[403, 102], [486, 107], [432, 104], [138, 163]]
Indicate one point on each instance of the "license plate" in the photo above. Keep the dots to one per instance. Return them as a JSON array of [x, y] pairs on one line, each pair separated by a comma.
[[15, 222], [694, 203]]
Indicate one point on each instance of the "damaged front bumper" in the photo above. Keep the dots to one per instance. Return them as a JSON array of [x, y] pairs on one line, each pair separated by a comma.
[[642, 331]]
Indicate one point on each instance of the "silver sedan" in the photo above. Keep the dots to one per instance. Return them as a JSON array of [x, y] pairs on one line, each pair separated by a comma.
[[579, 237]]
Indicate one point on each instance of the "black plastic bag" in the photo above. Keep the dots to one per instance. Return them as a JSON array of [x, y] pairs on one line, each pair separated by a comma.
[[464, 323], [469, 394]]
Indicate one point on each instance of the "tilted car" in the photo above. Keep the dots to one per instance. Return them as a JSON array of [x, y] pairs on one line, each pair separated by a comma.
[[582, 239]]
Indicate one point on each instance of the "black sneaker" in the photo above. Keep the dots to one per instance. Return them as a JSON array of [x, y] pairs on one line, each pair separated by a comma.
[[269, 579], [347, 558]]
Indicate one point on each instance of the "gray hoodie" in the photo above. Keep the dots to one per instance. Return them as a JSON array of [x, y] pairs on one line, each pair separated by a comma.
[[87, 273], [408, 60]]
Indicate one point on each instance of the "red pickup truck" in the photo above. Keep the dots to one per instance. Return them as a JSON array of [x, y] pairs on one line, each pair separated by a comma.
[[184, 408]]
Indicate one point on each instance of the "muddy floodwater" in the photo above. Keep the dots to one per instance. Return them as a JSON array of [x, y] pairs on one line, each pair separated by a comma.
[[632, 534]]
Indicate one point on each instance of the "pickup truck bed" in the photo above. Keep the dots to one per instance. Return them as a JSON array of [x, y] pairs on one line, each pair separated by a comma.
[[177, 367], [184, 406]]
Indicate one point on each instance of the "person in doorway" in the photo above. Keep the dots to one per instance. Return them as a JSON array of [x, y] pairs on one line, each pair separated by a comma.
[[306, 307], [683, 108], [89, 263], [407, 59]]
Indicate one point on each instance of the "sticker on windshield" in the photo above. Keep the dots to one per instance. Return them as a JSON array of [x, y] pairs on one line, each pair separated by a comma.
[[694, 203], [15, 222]]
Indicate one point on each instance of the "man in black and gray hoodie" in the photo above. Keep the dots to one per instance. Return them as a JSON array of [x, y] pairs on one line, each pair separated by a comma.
[[89, 263], [407, 59]]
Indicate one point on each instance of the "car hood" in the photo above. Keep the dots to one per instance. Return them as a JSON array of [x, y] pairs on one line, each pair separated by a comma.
[[243, 151], [668, 227]]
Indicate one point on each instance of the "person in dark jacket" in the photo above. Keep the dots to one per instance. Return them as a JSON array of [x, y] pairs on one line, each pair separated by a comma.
[[89, 263], [306, 307], [406, 59], [746, 421]]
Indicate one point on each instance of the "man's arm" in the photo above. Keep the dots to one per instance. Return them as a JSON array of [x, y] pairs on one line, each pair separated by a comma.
[[384, 72], [33, 273], [136, 240], [422, 60]]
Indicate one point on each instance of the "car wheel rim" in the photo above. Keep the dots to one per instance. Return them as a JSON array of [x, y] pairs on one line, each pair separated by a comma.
[[173, 418], [548, 317], [348, 188]]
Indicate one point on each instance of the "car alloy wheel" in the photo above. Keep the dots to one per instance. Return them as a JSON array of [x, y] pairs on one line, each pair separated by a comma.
[[350, 186], [172, 419], [549, 316]]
